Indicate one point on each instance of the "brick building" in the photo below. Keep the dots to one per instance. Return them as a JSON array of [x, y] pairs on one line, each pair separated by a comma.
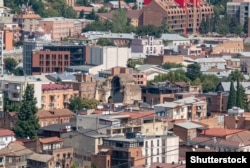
[[50, 61], [160, 60], [179, 15]]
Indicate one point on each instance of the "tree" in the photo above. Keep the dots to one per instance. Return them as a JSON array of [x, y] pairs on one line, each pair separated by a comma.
[[119, 21], [95, 26], [232, 96], [209, 82], [81, 14], [102, 10], [105, 42], [203, 27], [170, 65], [10, 64], [173, 76], [234, 75], [239, 94], [133, 62], [193, 71], [27, 123], [18, 71], [75, 104], [90, 103], [245, 26], [92, 15], [149, 30]]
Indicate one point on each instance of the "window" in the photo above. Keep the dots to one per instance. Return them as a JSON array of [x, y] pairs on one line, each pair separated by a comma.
[[158, 142]]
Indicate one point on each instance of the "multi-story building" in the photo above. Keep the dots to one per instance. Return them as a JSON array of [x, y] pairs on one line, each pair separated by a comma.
[[179, 15], [27, 20], [50, 61], [56, 96], [239, 9], [70, 3], [1, 104], [245, 63], [59, 27], [29, 46], [189, 50], [234, 46], [109, 57], [56, 116], [208, 63], [147, 46], [1, 53]]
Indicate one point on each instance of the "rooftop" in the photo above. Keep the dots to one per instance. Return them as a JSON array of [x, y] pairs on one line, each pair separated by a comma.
[[54, 113], [219, 132], [15, 149], [46, 87], [58, 127], [173, 37], [50, 140], [40, 157], [189, 125], [6, 132]]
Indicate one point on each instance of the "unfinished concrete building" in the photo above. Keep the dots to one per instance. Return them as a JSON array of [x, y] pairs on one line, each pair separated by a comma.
[[180, 15]]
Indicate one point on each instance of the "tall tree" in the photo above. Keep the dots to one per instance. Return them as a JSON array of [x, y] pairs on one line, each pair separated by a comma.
[[193, 71], [27, 123], [120, 21], [239, 94], [232, 96], [10, 64], [234, 75]]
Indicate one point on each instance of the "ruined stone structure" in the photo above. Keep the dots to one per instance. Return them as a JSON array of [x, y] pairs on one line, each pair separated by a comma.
[[121, 88]]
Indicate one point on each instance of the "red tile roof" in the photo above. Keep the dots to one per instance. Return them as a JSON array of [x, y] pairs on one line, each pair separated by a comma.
[[84, 8], [135, 115], [54, 113], [6, 132], [50, 140], [54, 87], [219, 132]]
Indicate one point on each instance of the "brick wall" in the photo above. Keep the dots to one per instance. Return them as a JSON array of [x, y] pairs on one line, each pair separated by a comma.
[[159, 60]]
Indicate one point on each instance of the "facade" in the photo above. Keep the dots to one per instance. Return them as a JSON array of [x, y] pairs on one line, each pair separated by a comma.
[[28, 47], [1, 53], [239, 9], [189, 50], [49, 61], [178, 15], [70, 3], [6, 137], [109, 57], [59, 27], [160, 60], [245, 64], [147, 45], [208, 63], [14, 155], [56, 96], [56, 116], [229, 47], [161, 149]]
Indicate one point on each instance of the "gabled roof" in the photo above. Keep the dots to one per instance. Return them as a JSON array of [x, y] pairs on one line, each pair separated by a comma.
[[15, 149], [6, 132]]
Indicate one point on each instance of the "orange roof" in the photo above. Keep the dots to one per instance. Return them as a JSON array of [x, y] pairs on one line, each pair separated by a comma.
[[19, 142], [135, 115], [6, 132], [28, 16], [50, 140], [84, 8], [54, 113], [97, 111], [220, 132]]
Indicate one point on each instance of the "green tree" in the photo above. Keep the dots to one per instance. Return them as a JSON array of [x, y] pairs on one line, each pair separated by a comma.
[[239, 94], [102, 10], [232, 96], [197, 81], [173, 76], [209, 82], [10, 64], [76, 104], [193, 71], [119, 21], [133, 62], [105, 42], [203, 27], [245, 26], [92, 15], [27, 123], [95, 26], [149, 30], [170, 65], [90, 103], [234, 75]]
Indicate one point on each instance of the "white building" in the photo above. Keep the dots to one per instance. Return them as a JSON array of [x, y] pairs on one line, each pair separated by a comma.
[[147, 45], [175, 39], [109, 57], [139, 4], [6, 137], [208, 63], [161, 149], [14, 87]]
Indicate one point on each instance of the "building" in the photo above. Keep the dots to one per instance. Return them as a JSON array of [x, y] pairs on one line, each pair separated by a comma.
[[245, 63], [56, 116], [235, 46], [239, 9], [187, 130], [162, 59], [109, 57], [147, 45], [78, 53], [179, 15], [82, 153], [1, 53], [50, 61], [70, 3], [1, 105], [40, 161], [175, 39], [27, 20], [56, 96], [6, 137], [29, 46], [58, 26], [189, 50], [208, 63], [14, 155]]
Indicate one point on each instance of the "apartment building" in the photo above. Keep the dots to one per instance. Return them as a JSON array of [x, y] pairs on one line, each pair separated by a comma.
[[208, 63], [1, 53], [147, 46], [178, 15], [59, 27], [50, 61], [6, 137], [235, 46], [245, 63], [56, 96], [239, 9]]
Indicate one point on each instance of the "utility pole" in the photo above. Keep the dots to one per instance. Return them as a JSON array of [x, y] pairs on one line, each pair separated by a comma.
[[195, 17]]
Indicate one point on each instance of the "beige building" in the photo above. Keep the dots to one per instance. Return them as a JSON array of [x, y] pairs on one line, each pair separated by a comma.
[[56, 96], [71, 2], [229, 47]]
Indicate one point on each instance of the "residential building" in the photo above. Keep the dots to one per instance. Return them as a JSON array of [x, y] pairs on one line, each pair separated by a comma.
[[225, 86], [115, 5], [56, 116], [9, 120], [1, 53], [239, 9], [233, 9], [190, 50], [187, 130], [139, 4], [82, 153], [49, 61], [6, 137], [1, 105], [178, 15], [57, 96], [70, 3], [235, 46], [27, 20], [147, 45], [208, 63], [14, 155], [174, 39], [245, 63], [11, 35], [161, 149], [109, 57], [232, 63], [58, 26], [29, 46], [40, 161], [86, 9], [13, 88]]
